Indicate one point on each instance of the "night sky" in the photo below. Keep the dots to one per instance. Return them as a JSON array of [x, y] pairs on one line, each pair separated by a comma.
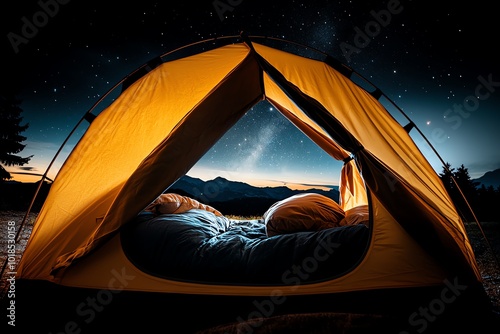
[[438, 64]]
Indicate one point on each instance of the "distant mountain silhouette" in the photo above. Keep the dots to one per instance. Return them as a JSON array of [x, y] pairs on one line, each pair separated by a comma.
[[491, 178], [238, 198], [229, 197], [17, 196]]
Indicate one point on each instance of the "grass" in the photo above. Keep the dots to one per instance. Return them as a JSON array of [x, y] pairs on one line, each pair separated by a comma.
[[235, 217]]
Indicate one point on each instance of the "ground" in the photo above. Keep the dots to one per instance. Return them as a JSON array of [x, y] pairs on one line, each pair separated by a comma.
[[483, 249], [487, 253]]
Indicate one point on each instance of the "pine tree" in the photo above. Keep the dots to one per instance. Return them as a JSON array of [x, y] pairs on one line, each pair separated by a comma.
[[469, 187], [10, 134], [446, 177], [462, 190]]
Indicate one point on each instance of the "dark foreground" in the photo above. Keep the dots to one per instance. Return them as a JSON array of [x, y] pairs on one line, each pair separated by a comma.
[[41, 307]]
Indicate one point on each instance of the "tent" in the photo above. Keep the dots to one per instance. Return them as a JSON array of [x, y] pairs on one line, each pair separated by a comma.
[[168, 114]]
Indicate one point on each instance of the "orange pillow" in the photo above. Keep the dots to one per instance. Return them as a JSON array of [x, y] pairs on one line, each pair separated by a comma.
[[303, 212], [174, 203]]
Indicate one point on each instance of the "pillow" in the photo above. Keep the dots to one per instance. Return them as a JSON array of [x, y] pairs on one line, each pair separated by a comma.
[[174, 203], [357, 215], [303, 212]]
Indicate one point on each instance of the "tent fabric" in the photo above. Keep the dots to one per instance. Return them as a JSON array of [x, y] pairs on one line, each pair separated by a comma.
[[352, 187], [207, 121], [165, 121], [408, 165], [155, 105]]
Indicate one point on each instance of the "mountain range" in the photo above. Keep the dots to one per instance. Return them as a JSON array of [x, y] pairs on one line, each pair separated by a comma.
[[491, 178], [238, 198], [229, 197]]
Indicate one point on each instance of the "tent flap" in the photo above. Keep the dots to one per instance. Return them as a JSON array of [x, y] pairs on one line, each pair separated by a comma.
[[180, 150]]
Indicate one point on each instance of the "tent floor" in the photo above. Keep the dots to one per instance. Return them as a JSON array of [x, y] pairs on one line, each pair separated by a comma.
[[49, 308]]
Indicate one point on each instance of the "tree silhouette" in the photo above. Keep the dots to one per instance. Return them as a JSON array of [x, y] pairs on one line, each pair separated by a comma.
[[447, 177], [468, 190], [465, 182], [482, 200], [10, 134]]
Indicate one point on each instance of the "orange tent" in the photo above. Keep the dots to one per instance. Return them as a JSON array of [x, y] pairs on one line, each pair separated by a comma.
[[171, 112]]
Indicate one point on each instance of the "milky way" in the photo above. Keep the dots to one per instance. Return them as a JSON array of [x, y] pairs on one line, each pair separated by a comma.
[[437, 64]]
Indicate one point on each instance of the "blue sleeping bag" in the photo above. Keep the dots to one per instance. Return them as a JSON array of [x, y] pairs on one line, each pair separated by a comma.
[[198, 246]]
